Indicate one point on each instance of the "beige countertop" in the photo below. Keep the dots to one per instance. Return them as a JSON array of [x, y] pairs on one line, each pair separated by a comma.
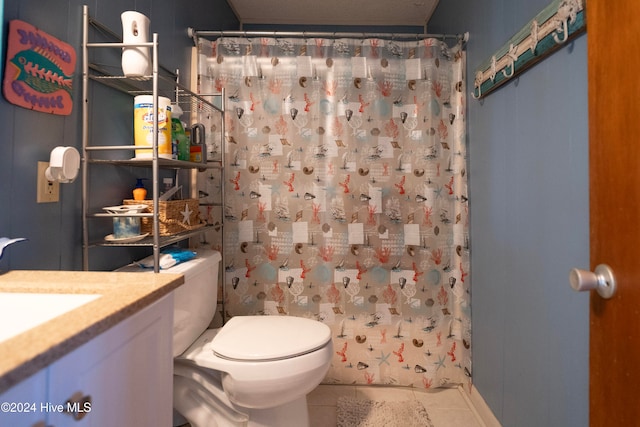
[[123, 294]]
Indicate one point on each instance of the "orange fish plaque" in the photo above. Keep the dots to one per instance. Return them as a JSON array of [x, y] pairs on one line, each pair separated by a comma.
[[39, 70]]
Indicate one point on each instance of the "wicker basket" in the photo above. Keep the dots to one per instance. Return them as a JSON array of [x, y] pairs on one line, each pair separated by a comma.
[[175, 216]]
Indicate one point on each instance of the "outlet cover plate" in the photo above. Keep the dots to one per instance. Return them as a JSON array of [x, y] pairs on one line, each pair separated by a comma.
[[47, 192]]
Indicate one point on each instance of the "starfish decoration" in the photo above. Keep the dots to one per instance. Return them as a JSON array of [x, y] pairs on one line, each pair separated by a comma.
[[440, 363], [186, 215], [438, 191], [383, 358]]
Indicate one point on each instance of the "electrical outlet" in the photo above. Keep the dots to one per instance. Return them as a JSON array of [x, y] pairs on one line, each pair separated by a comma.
[[48, 191]]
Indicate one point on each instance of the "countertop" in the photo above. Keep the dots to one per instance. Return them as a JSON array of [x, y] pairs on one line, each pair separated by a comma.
[[123, 294]]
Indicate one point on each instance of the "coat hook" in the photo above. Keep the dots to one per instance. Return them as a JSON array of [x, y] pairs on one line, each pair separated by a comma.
[[504, 71], [566, 10], [478, 84], [492, 76], [534, 36], [513, 57], [562, 27]]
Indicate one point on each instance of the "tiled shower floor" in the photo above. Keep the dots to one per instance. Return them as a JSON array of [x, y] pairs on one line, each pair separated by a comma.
[[447, 407]]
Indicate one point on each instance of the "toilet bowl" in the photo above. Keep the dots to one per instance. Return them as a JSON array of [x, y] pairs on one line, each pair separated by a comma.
[[265, 361], [258, 366], [254, 371]]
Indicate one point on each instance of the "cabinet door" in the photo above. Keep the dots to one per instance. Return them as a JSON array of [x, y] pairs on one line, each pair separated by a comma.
[[22, 404], [123, 377]]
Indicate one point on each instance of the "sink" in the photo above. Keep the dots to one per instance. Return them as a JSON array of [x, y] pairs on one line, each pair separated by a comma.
[[20, 312]]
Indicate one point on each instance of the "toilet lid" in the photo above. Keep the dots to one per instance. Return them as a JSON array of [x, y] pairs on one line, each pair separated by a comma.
[[269, 337]]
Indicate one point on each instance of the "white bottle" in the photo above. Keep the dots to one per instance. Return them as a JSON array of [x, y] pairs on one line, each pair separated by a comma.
[[167, 184]]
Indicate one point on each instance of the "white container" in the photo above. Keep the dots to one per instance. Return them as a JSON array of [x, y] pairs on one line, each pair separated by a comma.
[[135, 30], [143, 126], [125, 226]]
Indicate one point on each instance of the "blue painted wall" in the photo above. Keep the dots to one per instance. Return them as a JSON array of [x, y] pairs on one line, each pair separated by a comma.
[[54, 230], [528, 145]]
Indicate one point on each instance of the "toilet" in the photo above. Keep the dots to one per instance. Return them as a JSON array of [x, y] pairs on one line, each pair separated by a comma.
[[254, 371]]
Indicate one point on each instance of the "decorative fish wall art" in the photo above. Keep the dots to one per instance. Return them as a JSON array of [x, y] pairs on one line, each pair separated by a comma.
[[39, 70]]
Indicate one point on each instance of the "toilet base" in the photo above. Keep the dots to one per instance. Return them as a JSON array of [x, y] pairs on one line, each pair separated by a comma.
[[292, 414], [204, 404]]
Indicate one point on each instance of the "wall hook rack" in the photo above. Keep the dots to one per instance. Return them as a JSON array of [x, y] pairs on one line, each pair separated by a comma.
[[553, 27]]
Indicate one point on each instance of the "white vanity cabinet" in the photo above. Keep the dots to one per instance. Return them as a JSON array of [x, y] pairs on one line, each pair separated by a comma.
[[21, 403], [122, 377]]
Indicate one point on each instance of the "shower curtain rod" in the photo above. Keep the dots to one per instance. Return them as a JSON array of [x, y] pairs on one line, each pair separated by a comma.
[[329, 35]]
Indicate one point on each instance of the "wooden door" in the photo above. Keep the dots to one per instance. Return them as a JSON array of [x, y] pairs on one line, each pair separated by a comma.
[[614, 161]]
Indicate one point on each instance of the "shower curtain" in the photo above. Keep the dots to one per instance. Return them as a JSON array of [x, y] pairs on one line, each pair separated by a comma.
[[346, 197]]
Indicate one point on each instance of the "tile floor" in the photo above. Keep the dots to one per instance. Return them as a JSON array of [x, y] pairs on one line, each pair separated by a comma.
[[447, 407]]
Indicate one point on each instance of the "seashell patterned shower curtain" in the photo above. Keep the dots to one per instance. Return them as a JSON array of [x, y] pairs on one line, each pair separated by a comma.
[[346, 198]]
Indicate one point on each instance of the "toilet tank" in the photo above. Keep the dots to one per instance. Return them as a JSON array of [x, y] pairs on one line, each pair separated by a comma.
[[196, 300]]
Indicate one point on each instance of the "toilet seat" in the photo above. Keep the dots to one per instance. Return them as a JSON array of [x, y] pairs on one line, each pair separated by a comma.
[[276, 379], [267, 338]]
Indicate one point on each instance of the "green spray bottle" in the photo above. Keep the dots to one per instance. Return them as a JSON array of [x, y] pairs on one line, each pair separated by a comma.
[[181, 139]]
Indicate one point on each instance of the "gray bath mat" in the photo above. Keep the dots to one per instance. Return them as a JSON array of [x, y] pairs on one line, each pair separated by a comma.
[[354, 412]]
